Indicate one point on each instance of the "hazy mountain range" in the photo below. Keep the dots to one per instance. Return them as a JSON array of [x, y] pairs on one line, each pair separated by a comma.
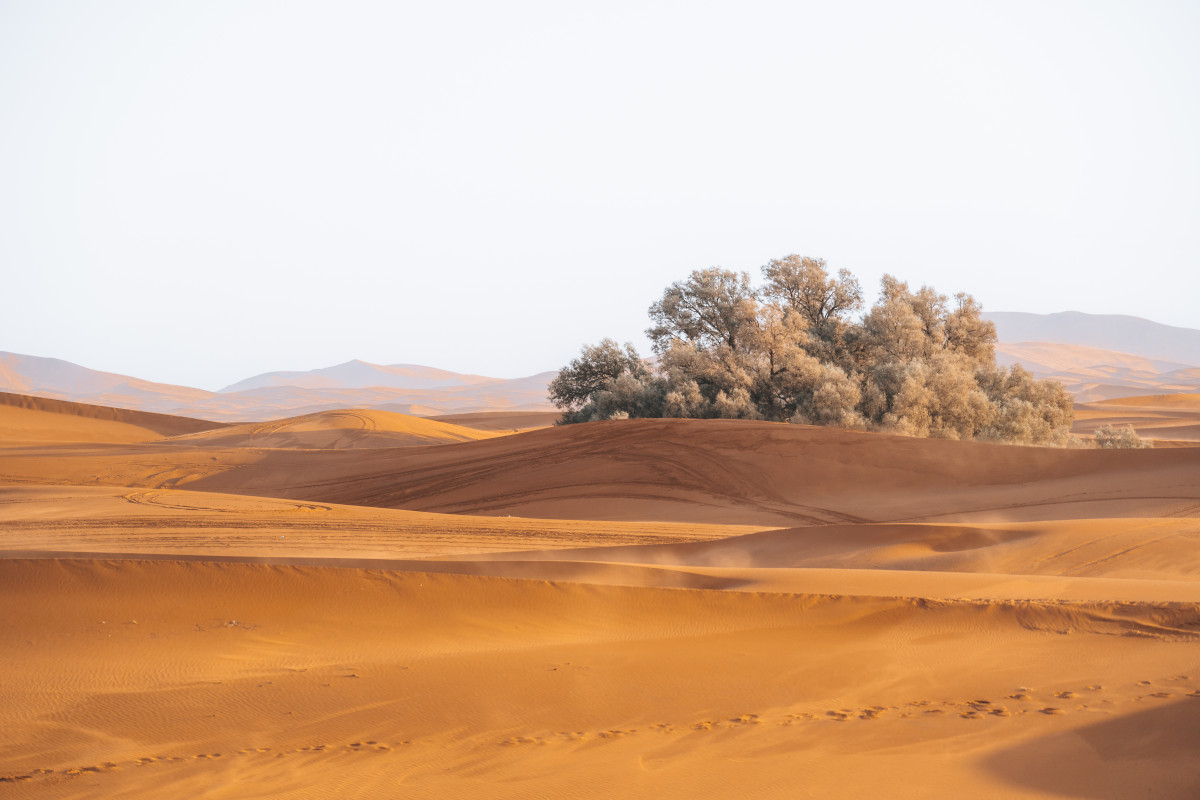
[[405, 388], [1096, 356], [1118, 332], [1101, 356]]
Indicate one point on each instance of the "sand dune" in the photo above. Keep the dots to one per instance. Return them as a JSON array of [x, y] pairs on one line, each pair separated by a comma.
[[681, 609], [38, 419], [339, 430], [292, 680], [506, 421], [732, 472], [176, 522], [702, 471], [1082, 361], [1118, 332], [1094, 375], [1166, 419]]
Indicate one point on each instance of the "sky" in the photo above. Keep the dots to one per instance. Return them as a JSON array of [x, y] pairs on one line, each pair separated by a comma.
[[197, 192]]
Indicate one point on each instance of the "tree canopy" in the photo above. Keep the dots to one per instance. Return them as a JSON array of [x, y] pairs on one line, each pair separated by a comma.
[[793, 350]]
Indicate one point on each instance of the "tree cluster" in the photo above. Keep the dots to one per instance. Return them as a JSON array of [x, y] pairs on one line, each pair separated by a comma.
[[799, 348]]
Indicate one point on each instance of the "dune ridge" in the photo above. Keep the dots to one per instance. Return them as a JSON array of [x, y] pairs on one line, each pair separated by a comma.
[[339, 429], [1166, 419], [26, 418]]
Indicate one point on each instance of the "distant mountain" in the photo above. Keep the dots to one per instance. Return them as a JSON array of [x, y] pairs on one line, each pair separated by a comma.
[[1100, 357], [362, 375], [275, 395], [53, 377], [1131, 335]]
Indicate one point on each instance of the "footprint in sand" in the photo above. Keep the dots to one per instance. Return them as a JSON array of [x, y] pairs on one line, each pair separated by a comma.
[[516, 740], [615, 734], [1052, 711], [1065, 695]]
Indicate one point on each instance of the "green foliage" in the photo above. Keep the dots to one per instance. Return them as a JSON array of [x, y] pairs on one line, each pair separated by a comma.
[[915, 363]]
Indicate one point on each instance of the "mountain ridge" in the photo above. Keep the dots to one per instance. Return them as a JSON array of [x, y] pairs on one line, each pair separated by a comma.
[[1119, 332]]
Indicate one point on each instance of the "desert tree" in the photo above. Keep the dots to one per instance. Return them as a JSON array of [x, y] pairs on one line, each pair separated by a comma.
[[1025, 410], [825, 303], [711, 307], [915, 363], [597, 369]]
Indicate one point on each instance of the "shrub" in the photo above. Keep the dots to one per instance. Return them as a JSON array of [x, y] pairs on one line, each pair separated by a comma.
[[1113, 437]]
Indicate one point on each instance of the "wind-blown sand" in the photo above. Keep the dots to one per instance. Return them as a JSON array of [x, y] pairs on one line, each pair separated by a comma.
[[682, 609]]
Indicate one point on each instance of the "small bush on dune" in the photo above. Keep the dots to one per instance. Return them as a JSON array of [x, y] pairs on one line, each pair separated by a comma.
[[915, 363], [1113, 437]]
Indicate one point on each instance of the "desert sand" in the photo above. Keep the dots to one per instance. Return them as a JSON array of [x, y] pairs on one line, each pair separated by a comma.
[[1169, 420], [645, 608]]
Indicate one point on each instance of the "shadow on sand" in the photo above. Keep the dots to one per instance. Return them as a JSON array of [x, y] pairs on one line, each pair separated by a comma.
[[1148, 754]]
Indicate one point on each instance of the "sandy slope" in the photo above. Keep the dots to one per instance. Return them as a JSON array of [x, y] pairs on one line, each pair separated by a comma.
[[171, 521], [338, 430], [894, 618], [514, 421], [222, 680], [1170, 418], [24, 418], [717, 471], [1092, 374]]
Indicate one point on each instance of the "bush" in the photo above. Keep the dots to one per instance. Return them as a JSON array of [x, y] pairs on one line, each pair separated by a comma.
[[1113, 437]]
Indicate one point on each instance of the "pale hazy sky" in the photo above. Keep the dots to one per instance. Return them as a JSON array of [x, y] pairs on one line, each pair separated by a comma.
[[196, 192]]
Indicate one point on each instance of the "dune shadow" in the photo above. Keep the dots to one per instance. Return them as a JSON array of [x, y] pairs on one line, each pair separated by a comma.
[[1152, 754]]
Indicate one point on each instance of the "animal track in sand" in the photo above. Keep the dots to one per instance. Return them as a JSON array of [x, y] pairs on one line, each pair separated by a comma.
[[615, 734], [975, 709], [744, 719], [145, 761]]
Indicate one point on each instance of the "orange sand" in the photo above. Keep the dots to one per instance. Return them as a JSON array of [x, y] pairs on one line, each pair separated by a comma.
[[1167, 419], [340, 429], [681, 609]]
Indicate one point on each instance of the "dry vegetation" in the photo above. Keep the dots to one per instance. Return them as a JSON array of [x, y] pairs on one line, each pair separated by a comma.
[[792, 350]]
